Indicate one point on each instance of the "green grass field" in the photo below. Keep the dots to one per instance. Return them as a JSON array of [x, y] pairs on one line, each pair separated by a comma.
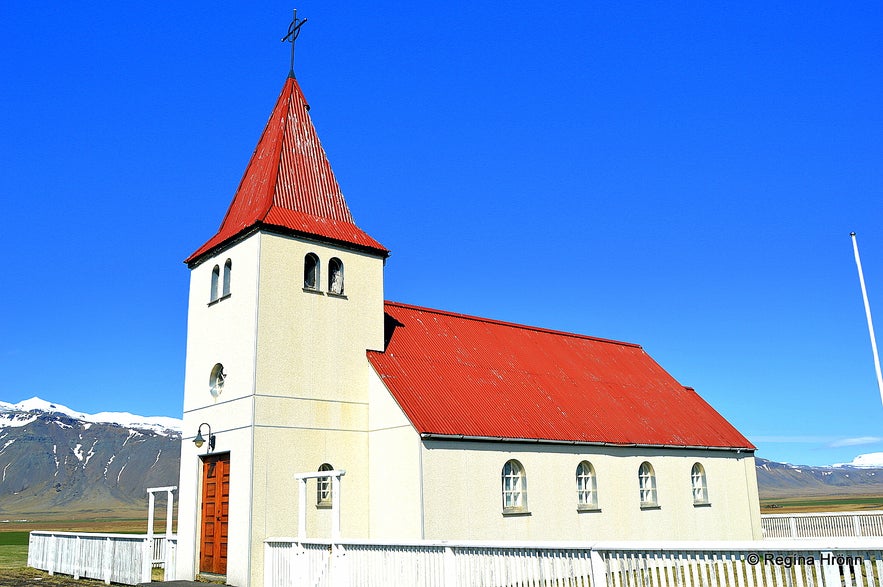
[[843, 503], [13, 538], [14, 541], [13, 550]]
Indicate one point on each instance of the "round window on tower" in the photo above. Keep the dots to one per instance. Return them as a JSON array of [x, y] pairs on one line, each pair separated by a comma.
[[216, 380]]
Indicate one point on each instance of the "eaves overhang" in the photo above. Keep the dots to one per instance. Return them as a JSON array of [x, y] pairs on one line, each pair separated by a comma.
[[468, 438], [197, 260]]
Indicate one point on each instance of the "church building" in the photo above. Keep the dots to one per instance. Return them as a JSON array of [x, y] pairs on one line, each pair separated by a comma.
[[430, 424]]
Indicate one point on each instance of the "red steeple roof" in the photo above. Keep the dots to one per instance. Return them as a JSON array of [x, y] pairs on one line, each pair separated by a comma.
[[289, 185], [458, 376]]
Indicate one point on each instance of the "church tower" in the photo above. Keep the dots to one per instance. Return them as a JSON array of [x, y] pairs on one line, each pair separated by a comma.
[[284, 302]]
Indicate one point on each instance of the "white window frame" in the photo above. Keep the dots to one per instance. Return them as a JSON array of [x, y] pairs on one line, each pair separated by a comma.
[[647, 486], [514, 488], [312, 258], [324, 487], [586, 487], [228, 269], [216, 278], [216, 380], [699, 484], [335, 277]]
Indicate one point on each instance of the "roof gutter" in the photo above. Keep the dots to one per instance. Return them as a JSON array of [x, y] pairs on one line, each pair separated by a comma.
[[466, 437]]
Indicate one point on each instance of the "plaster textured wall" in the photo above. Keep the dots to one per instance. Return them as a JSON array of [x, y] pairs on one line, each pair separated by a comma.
[[311, 387], [465, 477], [220, 332], [394, 449]]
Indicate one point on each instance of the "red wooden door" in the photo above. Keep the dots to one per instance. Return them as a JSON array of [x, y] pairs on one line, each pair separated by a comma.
[[215, 506]]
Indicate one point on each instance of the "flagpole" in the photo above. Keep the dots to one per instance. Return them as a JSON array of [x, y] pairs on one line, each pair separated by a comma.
[[861, 279]]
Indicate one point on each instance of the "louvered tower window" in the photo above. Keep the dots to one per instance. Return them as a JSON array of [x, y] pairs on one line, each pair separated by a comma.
[[216, 276], [311, 271], [228, 267], [335, 276]]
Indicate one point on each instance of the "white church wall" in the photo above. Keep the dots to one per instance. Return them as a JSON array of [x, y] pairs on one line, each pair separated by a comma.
[[462, 490], [283, 450], [312, 343], [394, 461], [220, 331], [223, 331], [311, 382]]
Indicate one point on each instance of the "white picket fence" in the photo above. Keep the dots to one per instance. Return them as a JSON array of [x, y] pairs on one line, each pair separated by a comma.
[[319, 563], [823, 525], [112, 558]]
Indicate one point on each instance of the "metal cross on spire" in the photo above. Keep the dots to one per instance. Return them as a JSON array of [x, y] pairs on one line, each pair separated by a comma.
[[291, 37]]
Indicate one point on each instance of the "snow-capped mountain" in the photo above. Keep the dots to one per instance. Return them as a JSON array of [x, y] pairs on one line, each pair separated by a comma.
[[787, 480], [22, 413], [871, 460], [53, 457]]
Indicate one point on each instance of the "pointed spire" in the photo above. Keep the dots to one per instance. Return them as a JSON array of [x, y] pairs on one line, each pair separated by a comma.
[[288, 185]]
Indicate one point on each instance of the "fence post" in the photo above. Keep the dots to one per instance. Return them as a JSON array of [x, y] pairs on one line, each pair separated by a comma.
[[339, 567], [53, 548], [830, 568], [78, 559], [335, 507], [108, 560], [147, 560], [301, 509], [599, 568], [450, 568], [300, 564], [170, 572], [793, 522], [858, 525], [268, 566], [170, 505]]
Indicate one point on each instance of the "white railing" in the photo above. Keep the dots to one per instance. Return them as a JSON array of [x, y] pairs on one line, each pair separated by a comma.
[[319, 563], [823, 525], [112, 558]]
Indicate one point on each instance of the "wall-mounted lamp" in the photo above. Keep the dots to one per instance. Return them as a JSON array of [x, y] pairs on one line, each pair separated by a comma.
[[200, 440]]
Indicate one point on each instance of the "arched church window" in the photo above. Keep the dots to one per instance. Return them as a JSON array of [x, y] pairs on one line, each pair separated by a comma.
[[586, 487], [647, 485], [514, 487], [311, 271], [700, 487], [228, 267], [335, 276], [323, 487], [216, 275], [216, 380]]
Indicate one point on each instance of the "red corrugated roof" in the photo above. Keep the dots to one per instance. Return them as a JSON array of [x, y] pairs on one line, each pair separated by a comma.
[[289, 185], [456, 375]]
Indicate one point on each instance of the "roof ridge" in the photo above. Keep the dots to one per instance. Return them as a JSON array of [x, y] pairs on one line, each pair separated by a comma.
[[251, 158], [513, 324], [271, 185]]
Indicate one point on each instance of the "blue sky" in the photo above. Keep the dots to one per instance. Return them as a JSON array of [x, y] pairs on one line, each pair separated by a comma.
[[680, 175]]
